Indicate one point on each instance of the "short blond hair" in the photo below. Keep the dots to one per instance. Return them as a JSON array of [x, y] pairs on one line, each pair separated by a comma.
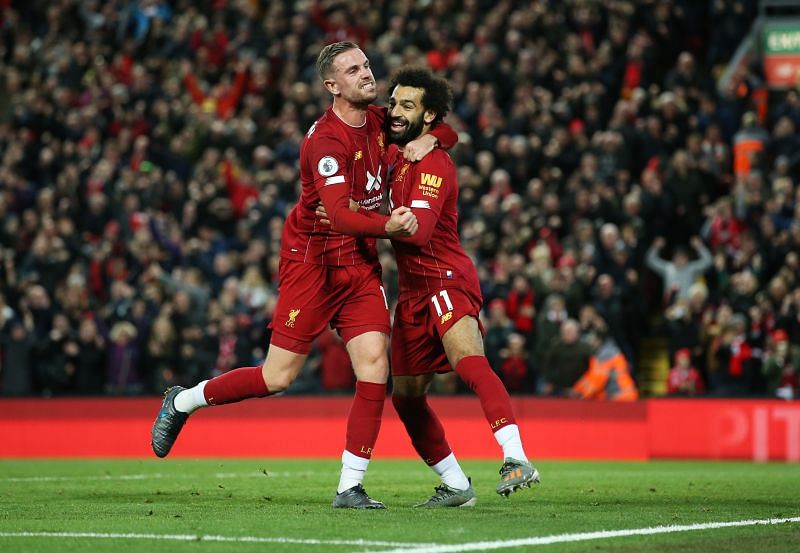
[[329, 53]]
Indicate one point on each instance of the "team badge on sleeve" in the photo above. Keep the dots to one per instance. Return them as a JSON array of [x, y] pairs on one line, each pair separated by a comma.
[[327, 166]]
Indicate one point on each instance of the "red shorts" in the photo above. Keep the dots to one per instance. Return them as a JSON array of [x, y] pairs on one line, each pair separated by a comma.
[[310, 297], [419, 325]]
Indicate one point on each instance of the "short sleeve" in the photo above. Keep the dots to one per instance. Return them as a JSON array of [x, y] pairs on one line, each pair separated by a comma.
[[328, 157]]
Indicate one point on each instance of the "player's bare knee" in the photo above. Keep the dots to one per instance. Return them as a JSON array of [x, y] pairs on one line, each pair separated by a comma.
[[277, 380], [373, 369], [369, 357]]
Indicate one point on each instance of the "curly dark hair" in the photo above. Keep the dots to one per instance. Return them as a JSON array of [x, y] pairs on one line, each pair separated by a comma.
[[437, 95]]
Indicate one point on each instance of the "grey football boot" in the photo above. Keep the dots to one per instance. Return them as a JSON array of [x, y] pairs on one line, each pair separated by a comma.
[[356, 498], [168, 423], [515, 475], [445, 496]]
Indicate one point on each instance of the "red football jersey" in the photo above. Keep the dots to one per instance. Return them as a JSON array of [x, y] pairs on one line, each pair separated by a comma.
[[352, 159], [433, 259]]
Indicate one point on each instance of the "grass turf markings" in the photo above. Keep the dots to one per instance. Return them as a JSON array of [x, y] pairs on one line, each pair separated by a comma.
[[589, 536]]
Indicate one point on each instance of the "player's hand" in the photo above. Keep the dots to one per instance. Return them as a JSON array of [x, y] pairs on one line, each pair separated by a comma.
[[659, 242], [402, 222], [322, 214], [419, 148]]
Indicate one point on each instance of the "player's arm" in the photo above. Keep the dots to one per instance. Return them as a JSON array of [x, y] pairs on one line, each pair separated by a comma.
[[427, 199], [328, 159], [336, 201], [402, 222], [445, 135]]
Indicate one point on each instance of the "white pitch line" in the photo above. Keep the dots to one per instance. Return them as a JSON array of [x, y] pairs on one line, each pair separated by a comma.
[[154, 476], [587, 536], [210, 538]]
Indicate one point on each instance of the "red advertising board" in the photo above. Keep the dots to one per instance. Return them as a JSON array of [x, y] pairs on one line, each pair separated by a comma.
[[757, 430]]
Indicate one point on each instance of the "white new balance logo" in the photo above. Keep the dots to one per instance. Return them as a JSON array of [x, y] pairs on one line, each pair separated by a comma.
[[374, 181]]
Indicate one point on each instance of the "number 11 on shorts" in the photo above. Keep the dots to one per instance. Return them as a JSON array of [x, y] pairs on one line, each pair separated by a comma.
[[446, 297]]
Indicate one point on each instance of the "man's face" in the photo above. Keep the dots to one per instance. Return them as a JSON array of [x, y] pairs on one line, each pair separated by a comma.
[[351, 77], [406, 114], [569, 332]]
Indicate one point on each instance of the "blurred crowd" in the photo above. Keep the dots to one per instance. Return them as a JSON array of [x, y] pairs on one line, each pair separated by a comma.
[[611, 192]]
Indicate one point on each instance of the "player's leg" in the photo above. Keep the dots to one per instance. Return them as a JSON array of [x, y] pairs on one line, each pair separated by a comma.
[[301, 313], [409, 397], [463, 343], [370, 365], [363, 324], [279, 370]]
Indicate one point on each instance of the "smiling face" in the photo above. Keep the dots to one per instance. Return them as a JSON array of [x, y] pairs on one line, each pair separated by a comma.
[[351, 78], [408, 118]]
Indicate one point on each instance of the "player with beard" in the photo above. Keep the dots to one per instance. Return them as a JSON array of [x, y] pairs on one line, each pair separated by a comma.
[[436, 324], [328, 274]]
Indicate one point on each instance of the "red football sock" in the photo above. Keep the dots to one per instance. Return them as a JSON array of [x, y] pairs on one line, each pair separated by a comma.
[[482, 380], [236, 385], [364, 420], [423, 427]]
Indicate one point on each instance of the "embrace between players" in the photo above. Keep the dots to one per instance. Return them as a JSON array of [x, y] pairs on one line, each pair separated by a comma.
[[329, 274]]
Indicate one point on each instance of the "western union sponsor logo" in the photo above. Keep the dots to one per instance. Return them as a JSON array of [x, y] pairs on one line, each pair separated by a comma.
[[431, 180]]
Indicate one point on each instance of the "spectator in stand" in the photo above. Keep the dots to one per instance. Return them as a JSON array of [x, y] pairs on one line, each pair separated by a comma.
[[620, 316], [154, 132], [679, 274], [688, 189], [232, 347], [515, 371], [520, 305], [683, 379], [122, 367], [498, 330], [608, 375], [748, 144], [160, 355], [782, 367], [90, 362], [735, 361], [54, 357], [548, 324], [722, 230], [566, 361], [17, 368]]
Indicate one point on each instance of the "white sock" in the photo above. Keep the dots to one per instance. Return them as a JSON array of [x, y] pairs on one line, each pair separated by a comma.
[[353, 470], [451, 473], [192, 399], [509, 440]]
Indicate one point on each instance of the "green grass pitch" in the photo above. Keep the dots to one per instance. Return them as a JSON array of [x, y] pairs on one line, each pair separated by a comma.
[[284, 506]]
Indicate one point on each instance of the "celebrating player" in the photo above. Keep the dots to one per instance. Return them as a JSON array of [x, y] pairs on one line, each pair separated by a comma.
[[436, 325], [327, 277]]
